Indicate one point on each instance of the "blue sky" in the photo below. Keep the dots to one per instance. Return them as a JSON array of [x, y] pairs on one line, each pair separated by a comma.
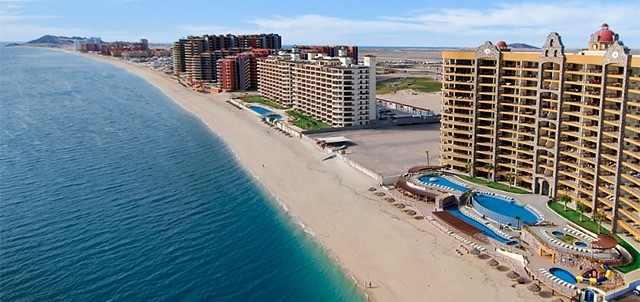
[[375, 22]]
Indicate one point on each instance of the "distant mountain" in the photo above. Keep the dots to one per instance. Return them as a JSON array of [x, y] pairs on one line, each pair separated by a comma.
[[53, 41], [522, 46]]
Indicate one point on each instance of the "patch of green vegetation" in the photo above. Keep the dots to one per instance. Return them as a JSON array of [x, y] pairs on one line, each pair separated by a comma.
[[417, 84], [306, 122], [494, 185], [257, 99], [568, 239], [635, 264], [574, 216]]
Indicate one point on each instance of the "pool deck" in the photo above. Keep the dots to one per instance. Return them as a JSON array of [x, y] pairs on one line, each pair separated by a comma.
[[537, 266]]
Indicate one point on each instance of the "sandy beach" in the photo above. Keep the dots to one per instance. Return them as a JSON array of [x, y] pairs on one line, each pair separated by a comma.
[[403, 258]]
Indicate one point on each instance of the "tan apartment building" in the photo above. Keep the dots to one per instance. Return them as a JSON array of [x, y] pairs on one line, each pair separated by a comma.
[[274, 79], [334, 90], [549, 121]]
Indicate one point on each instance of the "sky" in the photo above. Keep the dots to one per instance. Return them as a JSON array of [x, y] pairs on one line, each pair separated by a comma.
[[411, 23]]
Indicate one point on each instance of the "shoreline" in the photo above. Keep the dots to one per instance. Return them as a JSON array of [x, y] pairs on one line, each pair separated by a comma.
[[360, 233]]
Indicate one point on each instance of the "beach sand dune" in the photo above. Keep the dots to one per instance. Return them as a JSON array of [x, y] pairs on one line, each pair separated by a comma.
[[403, 258]]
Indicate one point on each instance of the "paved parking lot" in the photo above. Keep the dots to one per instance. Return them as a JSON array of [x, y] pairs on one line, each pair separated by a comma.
[[391, 151]]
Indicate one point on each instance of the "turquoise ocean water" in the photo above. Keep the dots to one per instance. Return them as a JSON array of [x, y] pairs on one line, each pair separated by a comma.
[[111, 192]]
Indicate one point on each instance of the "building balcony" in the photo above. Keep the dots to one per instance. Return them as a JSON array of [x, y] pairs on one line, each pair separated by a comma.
[[630, 203]]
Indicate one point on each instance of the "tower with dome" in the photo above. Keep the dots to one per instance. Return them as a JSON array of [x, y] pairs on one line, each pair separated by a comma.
[[560, 122], [603, 38]]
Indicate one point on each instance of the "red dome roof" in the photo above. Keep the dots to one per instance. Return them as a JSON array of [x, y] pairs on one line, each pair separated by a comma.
[[603, 35], [501, 44]]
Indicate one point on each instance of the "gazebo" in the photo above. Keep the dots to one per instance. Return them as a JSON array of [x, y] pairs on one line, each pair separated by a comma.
[[604, 242]]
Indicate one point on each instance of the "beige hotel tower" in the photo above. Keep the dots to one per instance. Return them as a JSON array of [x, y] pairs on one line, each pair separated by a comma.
[[550, 121]]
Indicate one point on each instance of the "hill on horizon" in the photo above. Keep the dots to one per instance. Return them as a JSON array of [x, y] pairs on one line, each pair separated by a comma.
[[522, 46], [54, 40]]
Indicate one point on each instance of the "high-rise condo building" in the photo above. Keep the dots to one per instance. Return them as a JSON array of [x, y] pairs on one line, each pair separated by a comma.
[[274, 79], [334, 90], [549, 121], [197, 56]]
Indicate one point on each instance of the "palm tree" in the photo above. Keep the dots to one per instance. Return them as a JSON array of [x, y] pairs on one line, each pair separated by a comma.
[[599, 216], [581, 207], [470, 167], [489, 168], [511, 177], [565, 199]]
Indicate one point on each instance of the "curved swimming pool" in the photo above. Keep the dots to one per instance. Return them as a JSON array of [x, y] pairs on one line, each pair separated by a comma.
[[564, 275], [503, 210], [485, 230], [437, 180]]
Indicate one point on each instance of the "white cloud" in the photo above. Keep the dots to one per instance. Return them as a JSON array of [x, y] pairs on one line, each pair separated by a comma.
[[11, 11], [514, 22]]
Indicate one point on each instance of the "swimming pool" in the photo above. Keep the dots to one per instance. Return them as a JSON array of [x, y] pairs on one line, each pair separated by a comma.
[[439, 180], [581, 244], [485, 230], [503, 210], [264, 112], [564, 275]]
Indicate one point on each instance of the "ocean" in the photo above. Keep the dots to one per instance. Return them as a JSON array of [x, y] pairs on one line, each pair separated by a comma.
[[109, 191]]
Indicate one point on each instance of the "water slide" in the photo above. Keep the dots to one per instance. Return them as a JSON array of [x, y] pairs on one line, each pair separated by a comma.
[[591, 280]]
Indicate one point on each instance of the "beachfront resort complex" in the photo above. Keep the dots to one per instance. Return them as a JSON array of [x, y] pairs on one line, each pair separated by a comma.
[[553, 122]]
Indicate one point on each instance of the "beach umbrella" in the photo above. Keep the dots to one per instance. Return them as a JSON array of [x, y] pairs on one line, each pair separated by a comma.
[[522, 280], [535, 288], [513, 275], [390, 199], [410, 212], [475, 251], [372, 189], [493, 263]]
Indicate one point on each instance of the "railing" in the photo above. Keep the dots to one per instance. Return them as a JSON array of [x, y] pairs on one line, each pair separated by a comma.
[[557, 287]]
